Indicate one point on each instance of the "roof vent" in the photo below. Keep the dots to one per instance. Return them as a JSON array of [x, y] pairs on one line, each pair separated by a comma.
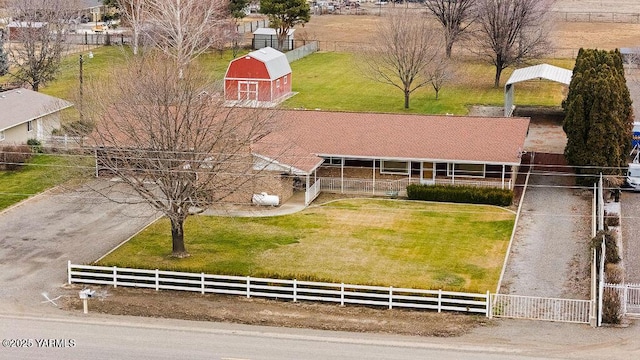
[[262, 51], [18, 92]]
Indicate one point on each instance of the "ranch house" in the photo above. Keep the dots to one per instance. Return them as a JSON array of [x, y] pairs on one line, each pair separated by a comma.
[[380, 154]]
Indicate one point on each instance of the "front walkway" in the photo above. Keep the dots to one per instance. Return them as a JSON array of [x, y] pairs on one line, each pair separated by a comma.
[[293, 205]]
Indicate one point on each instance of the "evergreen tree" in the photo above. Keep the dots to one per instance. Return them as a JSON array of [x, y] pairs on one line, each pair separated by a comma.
[[598, 115], [4, 60]]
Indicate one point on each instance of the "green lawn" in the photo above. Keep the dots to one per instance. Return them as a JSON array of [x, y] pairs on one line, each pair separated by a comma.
[[363, 241], [333, 81], [40, 173]]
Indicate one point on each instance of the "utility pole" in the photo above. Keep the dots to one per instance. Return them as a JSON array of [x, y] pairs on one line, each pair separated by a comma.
[[81, 88]]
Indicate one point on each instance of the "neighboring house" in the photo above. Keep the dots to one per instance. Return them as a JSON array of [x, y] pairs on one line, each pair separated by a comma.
[[19, 29], [93, 10], [264, 37], [260, 78], [383, 153], [27, 114]]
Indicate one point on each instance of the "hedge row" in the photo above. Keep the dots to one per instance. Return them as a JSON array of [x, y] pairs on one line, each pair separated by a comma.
[[460, 194]]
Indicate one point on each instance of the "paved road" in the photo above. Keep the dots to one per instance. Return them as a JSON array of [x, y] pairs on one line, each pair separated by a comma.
[[40, 235], [97, 337]]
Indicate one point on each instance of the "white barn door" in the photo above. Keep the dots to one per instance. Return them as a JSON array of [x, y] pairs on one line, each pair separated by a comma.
[[247, 90]]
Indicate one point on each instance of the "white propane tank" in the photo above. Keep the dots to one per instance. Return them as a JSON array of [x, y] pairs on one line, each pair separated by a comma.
[[265, 199]]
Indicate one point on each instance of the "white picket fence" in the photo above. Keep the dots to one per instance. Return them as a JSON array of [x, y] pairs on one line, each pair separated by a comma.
[[629, 297], [294, 290], [541, 308]]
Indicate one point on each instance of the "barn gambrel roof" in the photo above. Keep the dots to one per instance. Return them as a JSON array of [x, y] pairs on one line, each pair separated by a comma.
[[275, 61]]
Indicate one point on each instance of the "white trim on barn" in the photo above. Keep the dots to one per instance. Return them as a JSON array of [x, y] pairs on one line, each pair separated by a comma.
[[542, 71]]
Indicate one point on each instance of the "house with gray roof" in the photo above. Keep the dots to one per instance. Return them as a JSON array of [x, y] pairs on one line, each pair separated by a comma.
[[27, 114]]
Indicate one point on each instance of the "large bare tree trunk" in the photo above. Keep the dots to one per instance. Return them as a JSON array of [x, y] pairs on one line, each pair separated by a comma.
[[177, 238]]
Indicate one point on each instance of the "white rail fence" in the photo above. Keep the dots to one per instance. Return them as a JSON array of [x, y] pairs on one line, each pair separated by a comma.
[[629, 297], [540, 308], [293, 290], [312, 193]]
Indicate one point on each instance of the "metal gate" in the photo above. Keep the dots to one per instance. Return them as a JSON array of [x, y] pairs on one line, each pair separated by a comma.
[[540, 308]]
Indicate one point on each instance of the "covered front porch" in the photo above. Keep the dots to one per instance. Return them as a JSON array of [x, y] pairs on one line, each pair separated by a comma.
[[390, 177]]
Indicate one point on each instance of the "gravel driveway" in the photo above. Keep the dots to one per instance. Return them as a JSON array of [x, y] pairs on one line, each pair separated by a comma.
[[40, 235], [550, 252]]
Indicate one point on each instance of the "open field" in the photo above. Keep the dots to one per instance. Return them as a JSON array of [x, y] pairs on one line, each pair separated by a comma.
[[361, 241]]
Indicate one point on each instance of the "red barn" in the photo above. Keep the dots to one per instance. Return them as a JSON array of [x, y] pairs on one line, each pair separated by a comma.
[[263, 75]]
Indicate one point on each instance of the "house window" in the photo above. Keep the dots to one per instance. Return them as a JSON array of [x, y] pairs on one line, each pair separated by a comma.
[[278, 84], [466, 170], [285, 79], [332, 161], [394, 167], [29, 126], [1, 135]]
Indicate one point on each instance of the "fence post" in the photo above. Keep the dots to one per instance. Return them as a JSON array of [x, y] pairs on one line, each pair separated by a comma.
[[439, 300], [115, 277], [202, 283], [295, 290], [489, 312], [69, 272], [390, 297], [157, 280], [341, 294], [248, 287]]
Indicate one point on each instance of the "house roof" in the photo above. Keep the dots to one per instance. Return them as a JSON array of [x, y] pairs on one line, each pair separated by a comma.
[[544, 71], [312, 135], [21, 105], [275, 61], [271, 31]]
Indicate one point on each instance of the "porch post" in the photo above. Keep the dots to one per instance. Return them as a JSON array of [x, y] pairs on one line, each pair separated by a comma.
[[374, 177], [342, 176], [308, 184], [421, 171], [453, 173], [503, 177]]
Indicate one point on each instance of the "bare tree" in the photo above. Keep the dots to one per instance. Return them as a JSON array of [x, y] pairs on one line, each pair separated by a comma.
[[512, 32], [171, 141], [402, 49], [133, 13], [39, 38], [454, 16], [184, 29], [440, 73]]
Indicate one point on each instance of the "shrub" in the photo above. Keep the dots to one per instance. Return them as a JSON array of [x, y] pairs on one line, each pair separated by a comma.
[[612, 220], [613, 273], [612, 255], [611, 313], [460, 194], [12, 156], [36, 145]]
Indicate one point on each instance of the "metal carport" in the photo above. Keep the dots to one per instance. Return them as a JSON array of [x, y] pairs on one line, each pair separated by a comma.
[[542, 71]]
